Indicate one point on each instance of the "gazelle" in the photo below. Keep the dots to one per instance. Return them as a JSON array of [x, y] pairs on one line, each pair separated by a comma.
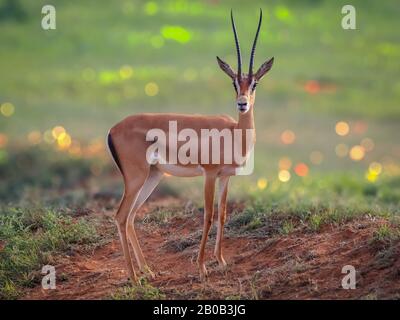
[[128, 145]]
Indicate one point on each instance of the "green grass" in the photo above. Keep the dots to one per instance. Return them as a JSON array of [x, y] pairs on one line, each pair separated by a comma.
[[32, 238], [142, 291]]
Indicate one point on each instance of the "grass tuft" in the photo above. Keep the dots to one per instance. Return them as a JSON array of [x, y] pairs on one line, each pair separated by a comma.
[[32, 238]]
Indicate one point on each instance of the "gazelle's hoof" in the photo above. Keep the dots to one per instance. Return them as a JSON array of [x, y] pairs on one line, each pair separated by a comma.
[[203, 272], [222, 263]]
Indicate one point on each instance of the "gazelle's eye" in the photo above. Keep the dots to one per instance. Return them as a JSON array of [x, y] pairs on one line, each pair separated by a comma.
[[254, 87]]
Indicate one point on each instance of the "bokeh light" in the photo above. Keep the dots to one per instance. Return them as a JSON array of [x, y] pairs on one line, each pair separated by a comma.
[[57, 131], [375, 168], [357, 153], [301, 169], [284, 175], [368, 144], [7, 109], [342, 128], [177, 33], [312, 87], [285, 163], [64, 141], [126, 72], [151, 89], [48, 137], [288, 137], [262, 183], [151, 8], [341, 150], [3, 140], [316, 157]]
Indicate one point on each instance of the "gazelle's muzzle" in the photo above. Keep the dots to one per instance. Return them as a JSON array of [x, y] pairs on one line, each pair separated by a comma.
[[243, 104]]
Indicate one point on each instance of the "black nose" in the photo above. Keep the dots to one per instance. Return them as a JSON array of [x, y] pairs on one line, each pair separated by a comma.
[[242, 106]]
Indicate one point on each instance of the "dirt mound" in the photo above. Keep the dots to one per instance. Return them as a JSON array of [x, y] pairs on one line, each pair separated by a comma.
[[301, 265]]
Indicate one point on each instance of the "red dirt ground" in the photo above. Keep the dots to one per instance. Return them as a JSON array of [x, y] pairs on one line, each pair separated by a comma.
[[301, 265]]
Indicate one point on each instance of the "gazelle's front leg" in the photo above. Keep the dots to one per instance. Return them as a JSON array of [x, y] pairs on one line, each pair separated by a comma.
[[223, 192], [209, 189]]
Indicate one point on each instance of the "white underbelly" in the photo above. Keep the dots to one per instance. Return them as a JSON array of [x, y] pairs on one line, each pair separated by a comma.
[[180, 171]]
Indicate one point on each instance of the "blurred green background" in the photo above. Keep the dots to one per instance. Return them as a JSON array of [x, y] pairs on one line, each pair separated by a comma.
[[61, 90]]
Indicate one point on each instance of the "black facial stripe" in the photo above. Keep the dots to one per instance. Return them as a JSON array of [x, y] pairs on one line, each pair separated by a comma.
[[234, 85], [254, 86]]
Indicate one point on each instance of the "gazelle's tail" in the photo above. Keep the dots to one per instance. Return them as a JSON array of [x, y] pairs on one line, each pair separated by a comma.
[[113, 152]]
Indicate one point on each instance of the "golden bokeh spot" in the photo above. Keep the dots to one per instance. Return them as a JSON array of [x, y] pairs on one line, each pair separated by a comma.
[[3, 140], [262, 183], [57, 131], [284, 175], [357, 153], [341, 150], [316, 157], [342, 128], [151, 89], [288, 137], [368, 144], [64, 141], [285, 163], [34, 137], [301, 169], [371, 177], [375, 168], [7, 109], [126, 72]]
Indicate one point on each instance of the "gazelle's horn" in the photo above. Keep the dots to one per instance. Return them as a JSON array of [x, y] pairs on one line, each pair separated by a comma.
[[253, 50], [239, 56]]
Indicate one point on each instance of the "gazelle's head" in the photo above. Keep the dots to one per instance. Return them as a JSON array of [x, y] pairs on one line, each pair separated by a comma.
[[245, 84]]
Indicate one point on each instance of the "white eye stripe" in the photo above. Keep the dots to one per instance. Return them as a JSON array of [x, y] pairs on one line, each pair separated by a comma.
[[253, 85]]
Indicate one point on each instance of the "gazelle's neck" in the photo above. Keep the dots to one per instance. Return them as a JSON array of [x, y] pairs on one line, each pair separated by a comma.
[[246, 120], [246, 124]]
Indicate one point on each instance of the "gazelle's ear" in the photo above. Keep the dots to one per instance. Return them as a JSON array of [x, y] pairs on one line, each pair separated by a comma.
[[265, 67], [226, 68]]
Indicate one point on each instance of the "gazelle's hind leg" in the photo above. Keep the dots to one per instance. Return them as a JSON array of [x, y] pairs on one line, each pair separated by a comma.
[[209, 188], [151, 182], [132, 188]]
